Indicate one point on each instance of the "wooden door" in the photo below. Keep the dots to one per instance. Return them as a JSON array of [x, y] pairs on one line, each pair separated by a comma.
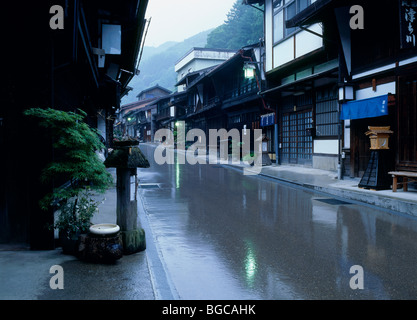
[[297, 146]]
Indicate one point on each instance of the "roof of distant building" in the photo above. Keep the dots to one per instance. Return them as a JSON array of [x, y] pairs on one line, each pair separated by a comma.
[[157, 86], [193, 75], [204, 49], [136, 105]]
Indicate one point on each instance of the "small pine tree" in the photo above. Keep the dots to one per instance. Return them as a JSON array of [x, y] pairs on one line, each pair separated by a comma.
[[79, 163]]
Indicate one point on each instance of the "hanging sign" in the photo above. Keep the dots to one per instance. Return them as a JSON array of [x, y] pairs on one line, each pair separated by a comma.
[[267, 119], [408, 23]]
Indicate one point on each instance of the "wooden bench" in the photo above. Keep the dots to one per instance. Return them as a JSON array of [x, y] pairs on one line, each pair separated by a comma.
[[407, 177]]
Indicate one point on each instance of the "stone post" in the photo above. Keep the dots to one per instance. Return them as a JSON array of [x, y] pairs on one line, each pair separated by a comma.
[[133, 237], [126, 158]]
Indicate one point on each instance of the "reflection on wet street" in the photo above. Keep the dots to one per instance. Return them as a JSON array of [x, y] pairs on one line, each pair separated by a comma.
[[223, 235]]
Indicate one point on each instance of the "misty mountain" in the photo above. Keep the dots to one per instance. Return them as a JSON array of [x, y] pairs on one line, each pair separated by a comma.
[[157, 65], [244, 26]]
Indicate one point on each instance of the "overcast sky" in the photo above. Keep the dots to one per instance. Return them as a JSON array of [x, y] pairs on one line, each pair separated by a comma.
[[176, 20]]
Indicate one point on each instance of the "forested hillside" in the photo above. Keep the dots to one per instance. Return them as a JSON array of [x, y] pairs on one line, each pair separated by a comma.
[[157, 65], [243, 26]]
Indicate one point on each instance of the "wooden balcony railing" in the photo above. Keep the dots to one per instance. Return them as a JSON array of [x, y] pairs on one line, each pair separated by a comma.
[[244, 89]]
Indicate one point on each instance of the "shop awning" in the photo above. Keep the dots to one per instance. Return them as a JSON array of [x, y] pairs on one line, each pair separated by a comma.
[[366, 108]]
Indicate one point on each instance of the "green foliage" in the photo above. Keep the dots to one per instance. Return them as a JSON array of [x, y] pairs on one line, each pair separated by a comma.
[[77, 144], [75, 215], [118, 134], [244, 26]]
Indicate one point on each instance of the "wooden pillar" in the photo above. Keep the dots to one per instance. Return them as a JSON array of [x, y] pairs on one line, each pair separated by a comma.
[[394, 183]]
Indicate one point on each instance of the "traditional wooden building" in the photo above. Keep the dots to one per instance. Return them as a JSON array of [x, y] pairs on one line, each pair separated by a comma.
[[301, 69], [378, 64], [239, 96], [202, 102], [146, 124], [155, 91], [325, 60], [169, 110], [134, 119], [129, 117], [63, 55], [221, 97], [197, 59]]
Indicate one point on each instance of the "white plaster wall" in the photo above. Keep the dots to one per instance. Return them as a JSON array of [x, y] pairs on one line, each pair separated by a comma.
[[284, 52], [268, 36], [306, 42], [380, 90], [203, 55], [326, 146], [180, 64], [196, 65]]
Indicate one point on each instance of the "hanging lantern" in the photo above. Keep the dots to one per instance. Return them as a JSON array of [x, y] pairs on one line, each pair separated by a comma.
[[249, 71]]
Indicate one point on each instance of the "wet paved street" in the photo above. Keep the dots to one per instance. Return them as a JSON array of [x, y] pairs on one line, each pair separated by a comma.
[[223, 235]]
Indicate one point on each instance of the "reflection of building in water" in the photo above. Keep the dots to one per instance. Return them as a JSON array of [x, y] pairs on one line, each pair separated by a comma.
[[277, 241], [379, 243]]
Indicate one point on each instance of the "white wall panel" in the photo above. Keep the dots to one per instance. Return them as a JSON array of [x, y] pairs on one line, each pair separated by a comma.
[[284, 52], [326, 146], [268, 35], [306, 42], [380, 90]]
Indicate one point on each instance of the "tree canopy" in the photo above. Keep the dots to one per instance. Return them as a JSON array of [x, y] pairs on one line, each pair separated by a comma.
[[243, 26], [77, 142]]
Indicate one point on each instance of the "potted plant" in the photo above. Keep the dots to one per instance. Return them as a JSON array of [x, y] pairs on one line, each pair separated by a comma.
[[74, 218], [76, 161]]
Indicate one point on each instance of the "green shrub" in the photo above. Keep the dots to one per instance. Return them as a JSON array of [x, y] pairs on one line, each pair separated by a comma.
[[78, 162]]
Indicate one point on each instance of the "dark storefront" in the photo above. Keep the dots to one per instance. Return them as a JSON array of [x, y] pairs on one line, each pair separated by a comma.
[[407, 123], [60, 69]]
